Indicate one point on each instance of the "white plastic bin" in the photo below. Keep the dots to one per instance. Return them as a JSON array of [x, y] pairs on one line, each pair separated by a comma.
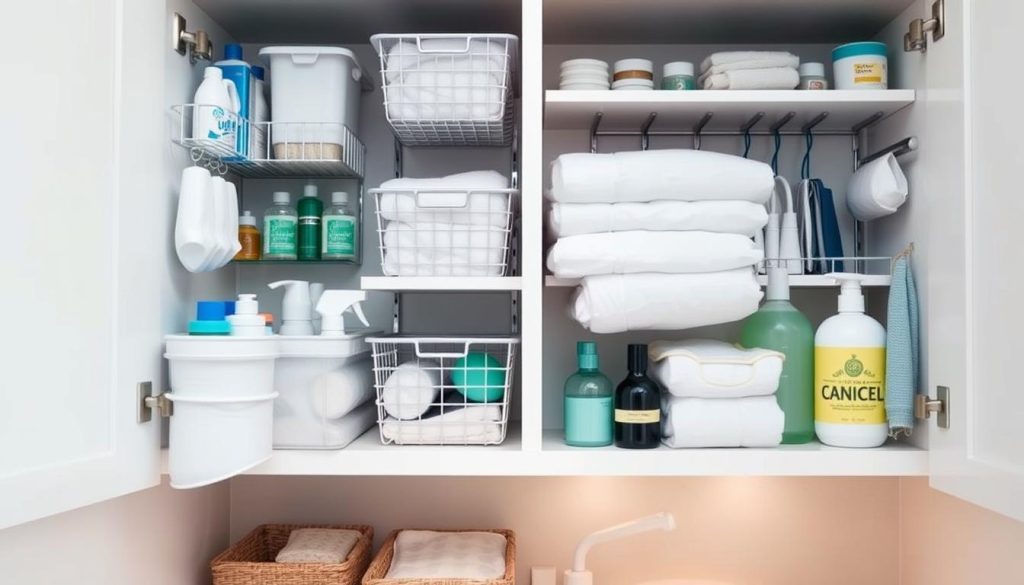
[[212, 439], [315, 94], [325, 392], [221, 366]]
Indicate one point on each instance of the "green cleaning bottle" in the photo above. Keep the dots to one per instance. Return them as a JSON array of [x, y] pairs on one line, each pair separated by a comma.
[[778, 325], [310, 209], [588, 402]]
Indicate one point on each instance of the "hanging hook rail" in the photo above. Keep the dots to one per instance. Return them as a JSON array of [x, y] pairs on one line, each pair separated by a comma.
[[806, 128], [698, 128], [867, 122], [745, 128], [900, 148], [779, 125], [645, 136]]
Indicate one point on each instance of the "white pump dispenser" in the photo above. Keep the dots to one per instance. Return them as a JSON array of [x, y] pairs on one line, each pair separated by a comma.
[[247, 322], [296, 307], [332, 306]]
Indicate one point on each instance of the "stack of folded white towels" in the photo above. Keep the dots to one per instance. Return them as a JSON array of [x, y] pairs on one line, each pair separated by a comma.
[[449, 226], [717, 395], [661, 239], [750, 70]]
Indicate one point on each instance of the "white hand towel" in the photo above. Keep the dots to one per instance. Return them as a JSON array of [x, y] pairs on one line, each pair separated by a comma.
[[641, 251], [296, 432], [318, 545], [721, 422], [426, 554], [791, 61], [731, 217], [729, 57], [426, 201], [446, 55], [775, 78], [411, 389], [438, 96], [338, 392], [708, 368], [474, 424], [443, 250], [877, 189], [630, 302], [651, 175]]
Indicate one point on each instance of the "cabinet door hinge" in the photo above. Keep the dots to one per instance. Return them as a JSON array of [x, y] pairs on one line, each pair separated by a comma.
[[148, 402], [925, 406], [916, 38]]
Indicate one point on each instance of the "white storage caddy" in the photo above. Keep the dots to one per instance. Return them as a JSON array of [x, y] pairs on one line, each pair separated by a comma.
[[223, 395], [462, 422], [313, 375], [443, 232], [448, 89]]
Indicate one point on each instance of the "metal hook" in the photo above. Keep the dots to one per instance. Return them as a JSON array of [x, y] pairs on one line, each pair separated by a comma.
[[645, 138], [746, 128], [776, 133], [699, 127], [805, 164], [593, 131]]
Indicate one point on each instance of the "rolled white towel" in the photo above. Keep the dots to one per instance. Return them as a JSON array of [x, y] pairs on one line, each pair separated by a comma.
[[411, 389], [630, 302], [721, 422], [641, 251], [318, 545], [469, 202], [651, 175], [708, 368], [731, 217], [778, 58], [338, 392], [442, 96], [775, 78]]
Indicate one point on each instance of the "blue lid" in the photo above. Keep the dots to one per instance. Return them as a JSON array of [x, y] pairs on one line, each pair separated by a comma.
[[233, 51], [855, 49], [209, 328], [258, 71], [211, 310], [229, 308]]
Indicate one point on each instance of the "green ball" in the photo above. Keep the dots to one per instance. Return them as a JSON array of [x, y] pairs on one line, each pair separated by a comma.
[[479, 377]]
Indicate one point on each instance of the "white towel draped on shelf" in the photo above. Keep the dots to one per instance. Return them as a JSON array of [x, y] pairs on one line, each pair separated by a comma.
[[732, 217], [716, 422], [473, 424], [774, 78], [776, 58], [708, 368]]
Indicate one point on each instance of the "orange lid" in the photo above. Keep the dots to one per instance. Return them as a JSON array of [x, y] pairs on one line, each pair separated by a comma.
[[268, 318]]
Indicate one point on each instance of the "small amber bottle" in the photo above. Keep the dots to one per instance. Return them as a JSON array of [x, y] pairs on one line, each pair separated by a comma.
[[249, 238]]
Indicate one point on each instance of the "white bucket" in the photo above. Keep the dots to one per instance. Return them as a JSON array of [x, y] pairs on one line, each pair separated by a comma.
[[221, 366], [212, 439]]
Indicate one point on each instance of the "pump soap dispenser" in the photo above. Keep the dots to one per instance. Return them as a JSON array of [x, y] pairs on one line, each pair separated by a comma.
[[296, 308], [332, 306]]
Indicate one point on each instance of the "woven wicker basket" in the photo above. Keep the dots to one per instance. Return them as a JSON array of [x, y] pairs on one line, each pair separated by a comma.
[[382, 563], [250, 561]]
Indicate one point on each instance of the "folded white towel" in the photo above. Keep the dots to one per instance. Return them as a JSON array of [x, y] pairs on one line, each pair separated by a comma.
[[411, 389], [469, 202], [426, 554], [641, 251], [476, 424], [776, 78], [318, 545], [708, 368], [430, 95], [338, 392], [443, 250], [630, 302], [292, 432], [791, 61], [651, 175], [447, 55], [778, 58], [721, 422], [730, 217]]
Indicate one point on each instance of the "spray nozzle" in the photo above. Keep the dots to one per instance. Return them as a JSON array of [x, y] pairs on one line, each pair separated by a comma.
[[851, 298], [296, 307], [332, 306]]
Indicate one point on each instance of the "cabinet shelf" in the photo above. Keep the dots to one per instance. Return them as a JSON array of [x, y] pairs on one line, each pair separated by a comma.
[[295, 262], [795, 281], [442, 283]]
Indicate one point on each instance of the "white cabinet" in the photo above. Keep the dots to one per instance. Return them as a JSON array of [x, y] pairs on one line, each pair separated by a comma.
[[90, 318]]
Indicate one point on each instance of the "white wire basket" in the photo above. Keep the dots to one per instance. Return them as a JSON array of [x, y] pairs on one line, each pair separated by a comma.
[[445, 232], [821, 265], [443, 390], [448, 89]]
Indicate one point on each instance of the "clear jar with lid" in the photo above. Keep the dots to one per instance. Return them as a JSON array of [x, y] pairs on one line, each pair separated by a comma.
[[812, 76], [678, 75]]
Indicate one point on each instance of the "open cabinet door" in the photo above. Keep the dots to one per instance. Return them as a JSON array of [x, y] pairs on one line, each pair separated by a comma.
[[977, 281], [80, 292]]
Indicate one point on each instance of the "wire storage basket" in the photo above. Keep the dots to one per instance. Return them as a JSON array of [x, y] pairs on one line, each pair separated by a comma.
[[445, 232], [443, 390], [448, 89]]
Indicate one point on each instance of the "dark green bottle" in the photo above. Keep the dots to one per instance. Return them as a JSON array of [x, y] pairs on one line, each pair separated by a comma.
[[637, 405], [310, 210]]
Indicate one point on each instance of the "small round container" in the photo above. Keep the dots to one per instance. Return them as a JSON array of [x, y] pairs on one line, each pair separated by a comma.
[[678, 75], [633, 85], [577, 64], [585, 78], [812, 76], [630, 69], [861, 66]]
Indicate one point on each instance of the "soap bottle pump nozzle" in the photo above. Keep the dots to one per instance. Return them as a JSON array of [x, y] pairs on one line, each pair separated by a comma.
[[332, 306], [296, 307], [851, 297]]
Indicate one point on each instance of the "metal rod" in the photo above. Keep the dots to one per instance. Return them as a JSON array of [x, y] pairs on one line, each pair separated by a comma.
[[751, 122], [867, 122], [699, 127], [900, 148], [810, 125], [777, 127], [721, 133], [399, 159], [593, 131], [645, 137]]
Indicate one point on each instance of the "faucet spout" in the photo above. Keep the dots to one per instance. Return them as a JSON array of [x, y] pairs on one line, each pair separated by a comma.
[[661, 521]]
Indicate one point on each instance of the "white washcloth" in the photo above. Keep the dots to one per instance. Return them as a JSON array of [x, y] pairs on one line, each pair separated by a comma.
[[775, 78], [641, 251], [791, 61], [294, 432], [411, 389], [318, 545], [708, 368], [776, 58], [476, 424], [651, 175], [338, 392], [446, 55], [721, 422], [732, 217], [426, 554], [630, 302], [443, 250], [425, 200]]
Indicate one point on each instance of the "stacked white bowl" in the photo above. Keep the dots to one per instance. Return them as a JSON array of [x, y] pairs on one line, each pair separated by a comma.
[[584, 74], [633, 74]]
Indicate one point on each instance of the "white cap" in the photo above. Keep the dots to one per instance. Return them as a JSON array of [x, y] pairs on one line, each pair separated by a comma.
[[677, 68], [812, 69], [851, 298], [634, 65], [282, 197], [247, 218], [213, 72], [247, 305], [778, 284], [339, 197], [309, 190]]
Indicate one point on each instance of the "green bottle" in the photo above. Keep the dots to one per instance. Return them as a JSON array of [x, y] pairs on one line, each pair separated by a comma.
[[310, 209], [779, 326], [589, 411]]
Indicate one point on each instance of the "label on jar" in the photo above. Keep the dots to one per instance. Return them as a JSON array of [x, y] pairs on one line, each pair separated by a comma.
[[678, 82], [873, 72], [637, 417], [849, 385], [279, 235], [339, 236]]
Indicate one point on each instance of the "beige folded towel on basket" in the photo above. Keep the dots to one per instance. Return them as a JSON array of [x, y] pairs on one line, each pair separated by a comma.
[[318, 545], [425, 554]]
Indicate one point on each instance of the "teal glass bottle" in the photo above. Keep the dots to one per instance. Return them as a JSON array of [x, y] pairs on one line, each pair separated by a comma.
[[588, 402]]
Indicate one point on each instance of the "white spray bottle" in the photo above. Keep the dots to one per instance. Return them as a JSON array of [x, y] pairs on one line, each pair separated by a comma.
[[332, 307], [296, 307]]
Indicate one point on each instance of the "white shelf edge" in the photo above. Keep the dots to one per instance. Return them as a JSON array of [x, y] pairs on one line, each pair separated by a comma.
[[795, 281], [704, 97], [441, 283]]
